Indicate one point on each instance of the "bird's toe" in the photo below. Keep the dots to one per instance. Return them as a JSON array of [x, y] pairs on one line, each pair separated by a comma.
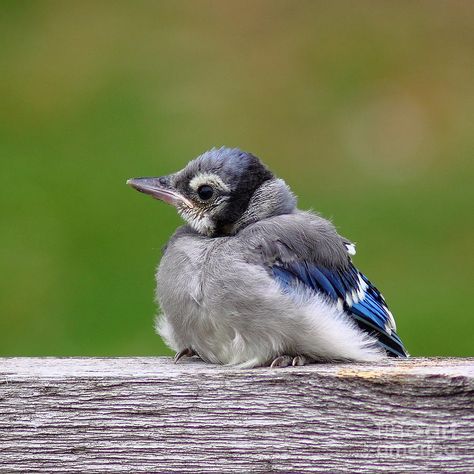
[[184, 353], [281, 361], [300, 360]]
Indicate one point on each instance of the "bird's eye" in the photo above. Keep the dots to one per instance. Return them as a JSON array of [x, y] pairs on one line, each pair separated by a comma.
[[205, 192]]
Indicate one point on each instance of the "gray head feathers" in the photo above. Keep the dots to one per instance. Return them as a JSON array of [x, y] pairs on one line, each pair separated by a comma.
[[242, 189]]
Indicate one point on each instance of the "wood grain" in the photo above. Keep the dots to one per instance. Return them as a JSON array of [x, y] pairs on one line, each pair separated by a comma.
[[150, 415]]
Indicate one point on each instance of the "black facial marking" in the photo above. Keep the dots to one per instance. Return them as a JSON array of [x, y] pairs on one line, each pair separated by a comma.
[[252, 175]]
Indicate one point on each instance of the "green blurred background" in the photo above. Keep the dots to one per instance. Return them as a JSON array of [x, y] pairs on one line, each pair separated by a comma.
[[364, 108]]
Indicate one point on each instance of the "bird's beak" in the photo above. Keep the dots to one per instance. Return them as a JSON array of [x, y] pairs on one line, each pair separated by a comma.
[[160, 188]]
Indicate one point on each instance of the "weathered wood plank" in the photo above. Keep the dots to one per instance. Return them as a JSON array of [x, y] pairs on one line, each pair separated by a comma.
[[149, 415]]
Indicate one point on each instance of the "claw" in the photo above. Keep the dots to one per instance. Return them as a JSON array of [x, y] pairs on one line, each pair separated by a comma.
[[299, 361], [184, 353], [281, 361]]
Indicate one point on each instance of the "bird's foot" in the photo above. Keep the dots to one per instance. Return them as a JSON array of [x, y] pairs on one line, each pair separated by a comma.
[[184, 353], [286, 360]]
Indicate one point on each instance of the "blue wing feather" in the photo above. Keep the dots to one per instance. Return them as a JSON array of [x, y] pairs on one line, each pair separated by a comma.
[[336, 282], [368, 308], [321, 281]]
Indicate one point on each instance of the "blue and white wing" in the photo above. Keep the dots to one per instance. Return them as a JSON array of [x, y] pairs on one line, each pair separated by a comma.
[[351, 291]]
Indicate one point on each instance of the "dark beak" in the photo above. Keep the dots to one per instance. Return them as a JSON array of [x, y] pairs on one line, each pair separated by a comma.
[[159, 188]]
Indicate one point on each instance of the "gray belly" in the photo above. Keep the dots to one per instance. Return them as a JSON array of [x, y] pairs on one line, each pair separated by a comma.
[[183, 279], [217, 304]]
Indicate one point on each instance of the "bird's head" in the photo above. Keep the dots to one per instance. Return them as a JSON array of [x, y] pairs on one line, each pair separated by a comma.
[[221, 191]]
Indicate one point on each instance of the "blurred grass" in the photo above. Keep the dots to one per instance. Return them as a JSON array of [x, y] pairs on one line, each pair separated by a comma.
[[366, 109]]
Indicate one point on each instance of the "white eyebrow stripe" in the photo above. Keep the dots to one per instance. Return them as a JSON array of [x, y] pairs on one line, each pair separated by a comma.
[[208, 178]]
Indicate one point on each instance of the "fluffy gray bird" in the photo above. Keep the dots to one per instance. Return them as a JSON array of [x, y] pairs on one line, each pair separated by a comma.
[[250, 280]]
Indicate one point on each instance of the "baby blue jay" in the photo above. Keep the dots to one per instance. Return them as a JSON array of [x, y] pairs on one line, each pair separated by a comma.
[[251, 280]]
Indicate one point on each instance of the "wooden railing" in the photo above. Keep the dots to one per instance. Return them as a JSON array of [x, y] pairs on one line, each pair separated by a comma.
[[150, 415]]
